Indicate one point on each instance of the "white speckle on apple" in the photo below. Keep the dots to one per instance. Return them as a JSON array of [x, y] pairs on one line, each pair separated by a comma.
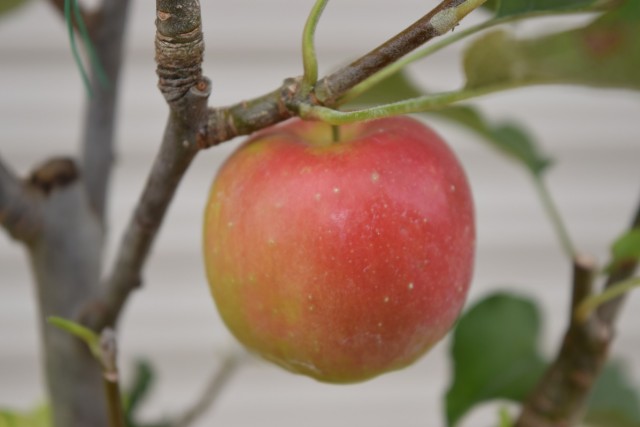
[[379, 324], [375, 176], [317, 196], [410, 286], [336, 190], [386, 299], [453, 188], [230, 224]]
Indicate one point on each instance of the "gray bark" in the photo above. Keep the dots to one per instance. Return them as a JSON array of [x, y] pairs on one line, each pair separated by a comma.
[[66, 262]]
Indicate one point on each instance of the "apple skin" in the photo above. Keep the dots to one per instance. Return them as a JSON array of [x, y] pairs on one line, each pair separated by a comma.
[[343, 260]]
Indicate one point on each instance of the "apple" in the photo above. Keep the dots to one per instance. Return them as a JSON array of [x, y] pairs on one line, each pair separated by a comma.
[[340, 260]]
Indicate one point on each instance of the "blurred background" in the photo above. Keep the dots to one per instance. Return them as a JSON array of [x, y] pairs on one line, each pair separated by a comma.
[[251, 46]]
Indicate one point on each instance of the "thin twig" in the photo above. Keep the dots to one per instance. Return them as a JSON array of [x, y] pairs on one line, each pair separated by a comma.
[[437, 22], [19, 209], [211, 392]]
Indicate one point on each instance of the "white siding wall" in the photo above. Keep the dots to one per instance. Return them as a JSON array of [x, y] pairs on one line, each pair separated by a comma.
[[251, 47]]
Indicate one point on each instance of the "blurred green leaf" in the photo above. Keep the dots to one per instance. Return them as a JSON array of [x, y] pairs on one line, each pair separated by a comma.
[[517, 7], [605, 53], [90, 338], [508, 138], [8, 6], [614, 401], [494, 353], [38, 417], [396, 87], [505, 418], [138, 391], [625, 249]]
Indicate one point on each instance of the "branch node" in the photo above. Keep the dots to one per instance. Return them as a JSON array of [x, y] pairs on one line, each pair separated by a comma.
[[53, 174], [179, 51]]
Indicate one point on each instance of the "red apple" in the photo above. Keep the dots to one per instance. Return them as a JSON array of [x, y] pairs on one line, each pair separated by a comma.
[[340, 260]]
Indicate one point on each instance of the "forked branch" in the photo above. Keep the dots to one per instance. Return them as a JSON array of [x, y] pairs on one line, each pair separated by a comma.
[[179, 50], [179, 54], [559, 398]]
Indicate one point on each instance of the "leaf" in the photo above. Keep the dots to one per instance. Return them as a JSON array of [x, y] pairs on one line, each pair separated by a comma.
[[614, 401], [508, 138], [38, 417], [9, 6], [138, 391], [85, 334], [605, 53], [505, 419], [396, 87], [625, 249], [494, 354], [519, 7]]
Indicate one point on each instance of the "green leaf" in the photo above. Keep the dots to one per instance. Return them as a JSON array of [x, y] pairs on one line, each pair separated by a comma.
[[396, 87], [508, 138], [625, 249], [614, 401], [495, 354], [138, 391], [605, 53], [8, 6], [503, 8], [38, 417], [505, 418], [90, 338]]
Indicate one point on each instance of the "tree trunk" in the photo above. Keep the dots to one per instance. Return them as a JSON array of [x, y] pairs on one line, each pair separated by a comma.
[[66, 261]]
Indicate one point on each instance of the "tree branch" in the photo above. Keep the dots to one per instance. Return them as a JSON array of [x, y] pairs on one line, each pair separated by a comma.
[[19, 209], [246, 117], [179, 51], [66, 260], [179, 54], [107, 34], [437, 22], [178, 42], [106, 27], [559, 398]]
